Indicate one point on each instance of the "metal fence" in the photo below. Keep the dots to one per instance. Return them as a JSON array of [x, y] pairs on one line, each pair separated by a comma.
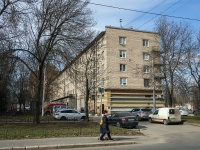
[[47, 119]]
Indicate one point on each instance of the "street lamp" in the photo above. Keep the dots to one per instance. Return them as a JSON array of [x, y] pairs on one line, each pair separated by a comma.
[[43, 94]]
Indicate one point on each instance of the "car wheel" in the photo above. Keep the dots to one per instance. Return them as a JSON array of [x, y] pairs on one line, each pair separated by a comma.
[[166, 122], [63, 118], [150, 120], [118, 124]]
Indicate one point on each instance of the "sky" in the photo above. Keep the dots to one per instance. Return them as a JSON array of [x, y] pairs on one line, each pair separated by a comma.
[[142, 14]]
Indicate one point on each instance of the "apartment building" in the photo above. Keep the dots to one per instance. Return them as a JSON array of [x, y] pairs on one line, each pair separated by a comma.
[[121, 70]]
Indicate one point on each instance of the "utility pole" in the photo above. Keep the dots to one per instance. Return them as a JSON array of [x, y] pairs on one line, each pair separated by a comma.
[[101, 90], [153, 82]]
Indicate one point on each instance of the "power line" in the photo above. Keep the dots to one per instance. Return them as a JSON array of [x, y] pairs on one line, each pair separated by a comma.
[[161, 13], [165, 10], [144, 13], [151, 13]]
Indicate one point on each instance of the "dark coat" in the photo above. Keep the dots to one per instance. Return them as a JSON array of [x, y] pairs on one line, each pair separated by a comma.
[[105, 125]]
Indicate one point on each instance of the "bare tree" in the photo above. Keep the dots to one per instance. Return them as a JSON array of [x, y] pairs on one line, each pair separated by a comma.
[[20, 85], [193, 64], [10, 12], [54, 31], [174, 40], [87, 72]]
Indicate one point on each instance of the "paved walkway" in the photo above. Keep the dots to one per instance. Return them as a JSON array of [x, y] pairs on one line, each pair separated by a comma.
[[68, 143]]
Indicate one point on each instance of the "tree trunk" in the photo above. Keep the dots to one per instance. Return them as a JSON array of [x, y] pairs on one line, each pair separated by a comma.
[[86, 100], [37, 102]]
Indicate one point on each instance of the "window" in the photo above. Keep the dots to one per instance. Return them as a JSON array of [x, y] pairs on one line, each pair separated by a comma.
[[146, 56], [171, 111], [123, 81], [146, 69], [122, 40], [145, 42], [122, 67], [156, 112], [122, 54], [146, 82]]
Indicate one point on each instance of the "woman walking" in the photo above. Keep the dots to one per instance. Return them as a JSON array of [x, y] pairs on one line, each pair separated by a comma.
[[105, 126]]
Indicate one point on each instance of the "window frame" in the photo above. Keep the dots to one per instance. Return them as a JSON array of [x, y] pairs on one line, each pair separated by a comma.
[[122, 40], [122, 79], [146, 82], [122, 67], [146, 69], [145, 42], [145, 55], [122, 53]]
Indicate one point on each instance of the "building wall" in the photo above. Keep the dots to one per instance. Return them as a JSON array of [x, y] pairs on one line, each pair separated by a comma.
[[104, 72], [134, 57]]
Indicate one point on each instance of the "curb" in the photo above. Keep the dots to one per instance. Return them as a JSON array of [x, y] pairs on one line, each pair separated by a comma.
[[69, 146]]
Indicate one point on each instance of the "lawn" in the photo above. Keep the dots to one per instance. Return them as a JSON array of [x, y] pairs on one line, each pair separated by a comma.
[[191, 119], [21, 127]]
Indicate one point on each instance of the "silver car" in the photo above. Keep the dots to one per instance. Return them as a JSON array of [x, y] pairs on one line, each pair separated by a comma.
[[141, 113], [69, 114]]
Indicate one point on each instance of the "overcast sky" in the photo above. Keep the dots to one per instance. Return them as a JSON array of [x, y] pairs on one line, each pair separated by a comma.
[[109, 12]]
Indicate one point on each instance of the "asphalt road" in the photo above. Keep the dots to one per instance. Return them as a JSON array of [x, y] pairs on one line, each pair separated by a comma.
[[178, 137]]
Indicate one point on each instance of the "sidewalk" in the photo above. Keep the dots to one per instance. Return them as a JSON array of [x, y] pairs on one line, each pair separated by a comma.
[[69, 142]]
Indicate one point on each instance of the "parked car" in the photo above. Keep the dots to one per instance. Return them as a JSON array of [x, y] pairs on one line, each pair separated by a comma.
[[141, 113], [196, 112], [123, 119], [58, 107], [50, 108], [69, 114], [183, 111], [166, 116]]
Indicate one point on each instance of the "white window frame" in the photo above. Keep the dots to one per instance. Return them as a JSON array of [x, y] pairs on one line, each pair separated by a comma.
[[146, 82], [122, 40], [145, 42], [146, 56], [123, 67], [123, 81], [146, 69], [122, 54]]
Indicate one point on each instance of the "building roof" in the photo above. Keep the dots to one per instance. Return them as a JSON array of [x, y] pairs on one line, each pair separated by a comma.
[[130, 29]]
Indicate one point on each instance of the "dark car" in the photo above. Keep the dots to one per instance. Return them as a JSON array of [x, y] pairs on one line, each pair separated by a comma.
[[196, 112], [141, 113], [123, 119]]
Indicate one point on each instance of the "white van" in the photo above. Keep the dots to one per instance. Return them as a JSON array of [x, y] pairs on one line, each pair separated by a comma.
[[166, 116]]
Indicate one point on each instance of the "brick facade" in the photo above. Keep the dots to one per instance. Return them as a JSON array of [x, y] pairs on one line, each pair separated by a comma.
[[108, 54]]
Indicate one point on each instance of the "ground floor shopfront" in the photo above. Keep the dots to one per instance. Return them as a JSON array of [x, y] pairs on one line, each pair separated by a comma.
[[114, 100]]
